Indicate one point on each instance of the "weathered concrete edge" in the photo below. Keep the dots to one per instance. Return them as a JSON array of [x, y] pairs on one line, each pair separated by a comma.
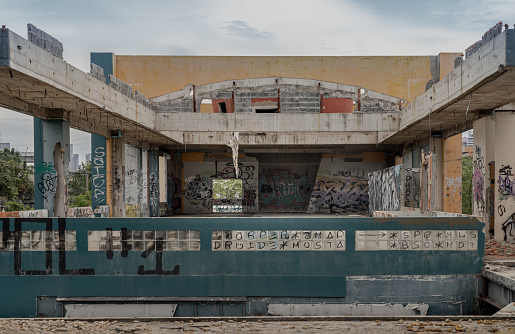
[[133, 105], [4, 47], [276, 318], [499, 278]]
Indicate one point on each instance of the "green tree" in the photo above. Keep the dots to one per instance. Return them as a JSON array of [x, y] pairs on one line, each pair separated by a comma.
[[16, 178], [79, 186], [466, 190]]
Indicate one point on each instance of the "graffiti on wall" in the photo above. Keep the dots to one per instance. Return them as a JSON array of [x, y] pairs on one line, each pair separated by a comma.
[[131, 186], [48, 179], [507, 226], [80, 212], [198, 191], [341, 186], [339, 194], [506, 182], [98, 177], [478, 181], [453, 189], [385, 189], [283, 191], [62, 240], [153, 194], [411, 187]]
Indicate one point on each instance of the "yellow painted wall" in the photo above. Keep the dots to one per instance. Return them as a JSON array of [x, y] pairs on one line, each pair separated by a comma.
[[400, 76], [447, 63], [452, 174]]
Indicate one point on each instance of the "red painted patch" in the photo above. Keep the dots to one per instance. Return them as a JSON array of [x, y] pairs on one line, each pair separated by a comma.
[[229, 105], [336, 105]]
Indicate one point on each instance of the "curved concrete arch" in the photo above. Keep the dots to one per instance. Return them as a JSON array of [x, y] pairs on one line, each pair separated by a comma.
[[366, 100]]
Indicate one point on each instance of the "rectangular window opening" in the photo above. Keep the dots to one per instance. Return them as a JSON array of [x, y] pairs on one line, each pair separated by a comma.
[[227, 195], [267, 111]]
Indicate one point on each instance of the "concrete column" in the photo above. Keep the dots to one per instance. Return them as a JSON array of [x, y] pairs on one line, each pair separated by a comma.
[[143, 181], [98, 171], [436, 175], [118, 167], [484, 152], [132, 184], [153, 182], [50, 169], [452, 174], [504, 191]]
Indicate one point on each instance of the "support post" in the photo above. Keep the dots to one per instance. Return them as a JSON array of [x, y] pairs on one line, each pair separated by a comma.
[[153, 182], [437, 173], [98, 171], [48, 135], [483, 155], [118, 177]]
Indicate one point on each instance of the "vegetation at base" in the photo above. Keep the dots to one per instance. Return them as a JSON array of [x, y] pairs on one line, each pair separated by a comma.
[[15, 206], [79, 187], [466, 190], [16, 180]]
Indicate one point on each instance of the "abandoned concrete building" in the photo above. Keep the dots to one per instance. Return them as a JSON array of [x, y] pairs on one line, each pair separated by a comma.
[[351, 154]]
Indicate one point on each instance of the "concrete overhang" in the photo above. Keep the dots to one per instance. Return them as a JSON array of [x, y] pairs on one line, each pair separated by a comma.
[[481, 84], [36, 83]]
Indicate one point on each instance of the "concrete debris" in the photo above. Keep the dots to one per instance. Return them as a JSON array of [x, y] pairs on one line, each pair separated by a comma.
[[121, 86], [497, 248], [97, 72], [311, 326], [45, 41]]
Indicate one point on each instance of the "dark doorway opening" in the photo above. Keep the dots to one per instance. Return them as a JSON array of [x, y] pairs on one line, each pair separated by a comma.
[[222, 107]]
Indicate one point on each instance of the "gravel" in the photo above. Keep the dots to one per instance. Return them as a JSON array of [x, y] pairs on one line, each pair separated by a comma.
[[232, 326]]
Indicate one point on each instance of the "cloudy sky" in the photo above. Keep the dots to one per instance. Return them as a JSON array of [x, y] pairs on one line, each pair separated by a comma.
[[242, 27]]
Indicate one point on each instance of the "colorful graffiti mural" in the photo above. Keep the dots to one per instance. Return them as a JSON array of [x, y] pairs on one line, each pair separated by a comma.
[[282, 191]]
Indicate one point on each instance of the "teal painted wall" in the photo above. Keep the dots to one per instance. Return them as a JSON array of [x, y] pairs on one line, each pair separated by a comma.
[[104, 60], [115, 271]]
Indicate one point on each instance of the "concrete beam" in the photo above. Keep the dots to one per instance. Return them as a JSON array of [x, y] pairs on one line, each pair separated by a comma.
[[249, 122], [32, 79], [483, 82], [274, 138]]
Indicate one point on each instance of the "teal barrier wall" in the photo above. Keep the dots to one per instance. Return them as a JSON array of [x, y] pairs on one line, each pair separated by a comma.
[[301, 257]]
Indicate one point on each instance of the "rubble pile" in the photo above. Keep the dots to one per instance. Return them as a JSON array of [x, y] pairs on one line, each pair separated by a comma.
[[497, 248]]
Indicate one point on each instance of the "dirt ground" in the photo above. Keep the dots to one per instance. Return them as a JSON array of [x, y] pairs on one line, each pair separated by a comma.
[[232, 326]]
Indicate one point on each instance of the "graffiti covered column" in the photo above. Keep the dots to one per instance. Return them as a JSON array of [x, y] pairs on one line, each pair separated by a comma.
[[153, 182], [504, 176], [47, 134], [483, 197], [99, 184], [118, 176]]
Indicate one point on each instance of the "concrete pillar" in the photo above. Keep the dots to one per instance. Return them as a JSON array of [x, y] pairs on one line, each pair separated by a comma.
[[484, 152], [143, 181], [132, 182], [153, 182], [452, 174], [504, 191], [98, 171], [118, 167], [50, 169], [436, 174]]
